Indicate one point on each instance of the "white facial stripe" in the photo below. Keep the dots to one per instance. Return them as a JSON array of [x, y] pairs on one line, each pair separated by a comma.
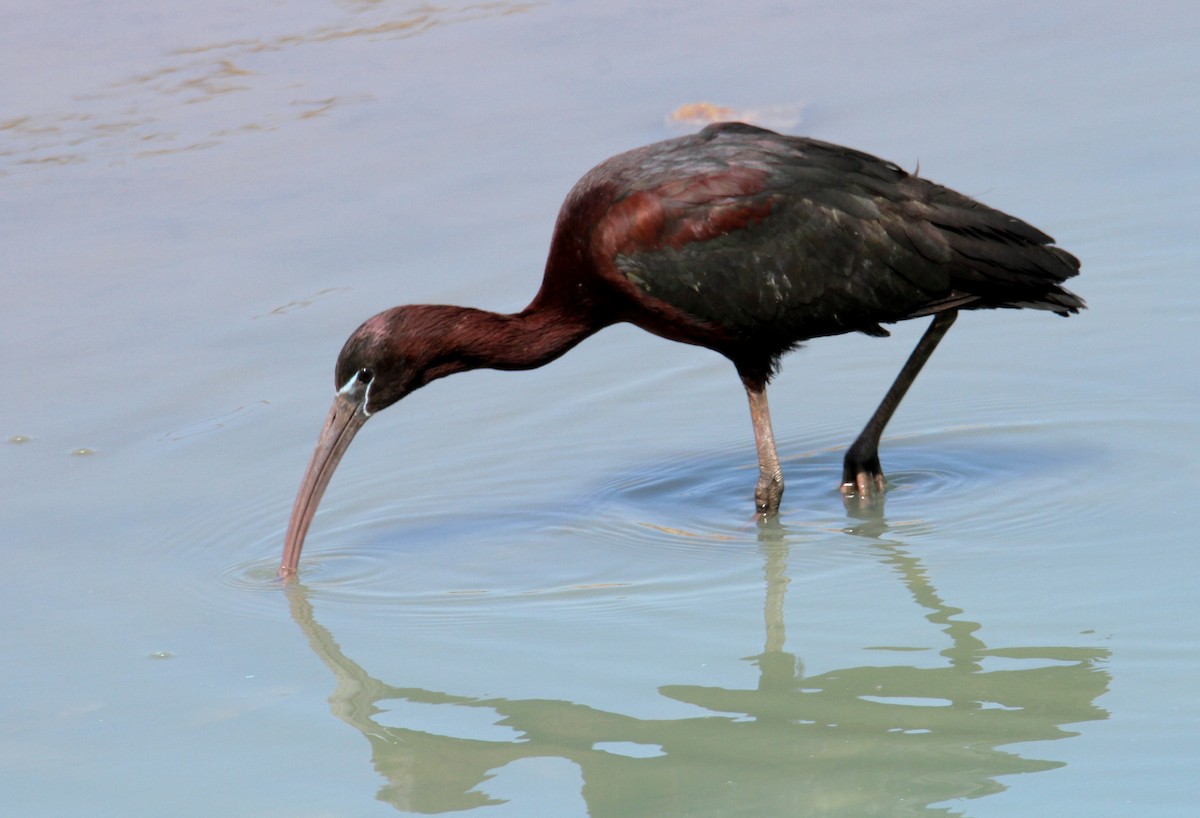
[[349, 387], [349, 384]]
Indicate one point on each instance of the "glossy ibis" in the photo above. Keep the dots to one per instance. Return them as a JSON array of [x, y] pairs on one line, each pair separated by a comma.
[[735, 238]]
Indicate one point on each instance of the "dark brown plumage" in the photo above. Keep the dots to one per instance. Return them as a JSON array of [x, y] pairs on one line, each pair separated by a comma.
[[737, 239]]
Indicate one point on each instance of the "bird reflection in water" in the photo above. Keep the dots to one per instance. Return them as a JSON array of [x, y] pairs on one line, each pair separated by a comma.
[[889, 740]]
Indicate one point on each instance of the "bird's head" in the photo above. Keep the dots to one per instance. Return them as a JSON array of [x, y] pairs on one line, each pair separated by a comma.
[[383, 360], [389, 356]]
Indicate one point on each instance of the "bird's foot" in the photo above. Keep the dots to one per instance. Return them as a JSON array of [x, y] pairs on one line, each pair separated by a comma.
[[864, 486], [768, 493], [862, 479]]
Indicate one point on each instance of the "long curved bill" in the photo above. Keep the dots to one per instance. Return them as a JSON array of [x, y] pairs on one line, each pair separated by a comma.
[[346, 417]]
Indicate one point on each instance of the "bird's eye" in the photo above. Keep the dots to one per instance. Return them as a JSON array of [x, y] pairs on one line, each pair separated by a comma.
[[361, 379]]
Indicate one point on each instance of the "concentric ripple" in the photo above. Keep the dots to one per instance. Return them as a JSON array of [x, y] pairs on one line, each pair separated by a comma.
[[661, 533]]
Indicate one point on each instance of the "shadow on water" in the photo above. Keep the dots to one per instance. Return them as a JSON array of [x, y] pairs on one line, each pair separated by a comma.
[[869, 740]]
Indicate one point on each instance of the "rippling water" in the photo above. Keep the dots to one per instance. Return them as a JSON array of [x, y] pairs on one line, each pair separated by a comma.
[[546, 593]]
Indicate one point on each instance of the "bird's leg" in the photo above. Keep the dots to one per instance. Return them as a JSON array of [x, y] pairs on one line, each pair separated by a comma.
[[862, 476], [769, 490]]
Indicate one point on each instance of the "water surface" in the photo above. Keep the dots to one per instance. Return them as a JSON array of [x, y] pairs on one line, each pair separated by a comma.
[[544, 593]]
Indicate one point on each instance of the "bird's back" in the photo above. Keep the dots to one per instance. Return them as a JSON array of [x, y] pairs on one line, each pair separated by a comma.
[[766, 240]]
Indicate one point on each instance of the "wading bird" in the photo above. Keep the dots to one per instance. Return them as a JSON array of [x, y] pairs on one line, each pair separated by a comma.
[[735, 238]]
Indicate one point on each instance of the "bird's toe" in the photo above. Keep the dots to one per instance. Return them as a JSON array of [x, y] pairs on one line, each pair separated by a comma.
[[865, 485], [767, 495]]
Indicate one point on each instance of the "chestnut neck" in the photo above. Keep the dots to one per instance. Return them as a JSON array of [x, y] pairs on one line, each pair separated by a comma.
[[479, 339]]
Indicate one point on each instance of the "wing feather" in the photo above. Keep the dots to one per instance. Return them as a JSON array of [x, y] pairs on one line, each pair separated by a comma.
[[784, 238]]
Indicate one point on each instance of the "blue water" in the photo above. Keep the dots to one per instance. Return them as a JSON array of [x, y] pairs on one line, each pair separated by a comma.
[[545, 593]]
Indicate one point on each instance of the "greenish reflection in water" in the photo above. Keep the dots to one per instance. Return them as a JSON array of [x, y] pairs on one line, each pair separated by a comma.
[[887, 740]]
